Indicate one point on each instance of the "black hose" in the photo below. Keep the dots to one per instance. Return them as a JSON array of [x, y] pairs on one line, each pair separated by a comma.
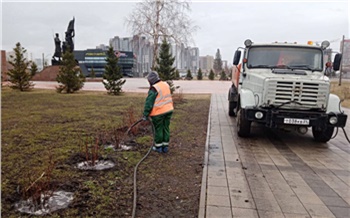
[[135, 169], [346, 136]]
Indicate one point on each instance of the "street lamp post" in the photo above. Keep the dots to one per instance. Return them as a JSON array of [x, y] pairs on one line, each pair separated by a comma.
[[341, 61]]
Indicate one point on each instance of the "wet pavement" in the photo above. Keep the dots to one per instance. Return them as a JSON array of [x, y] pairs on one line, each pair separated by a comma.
[[273, 173]]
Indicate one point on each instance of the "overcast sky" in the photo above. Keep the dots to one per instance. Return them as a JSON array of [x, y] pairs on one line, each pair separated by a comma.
[[222, 24]]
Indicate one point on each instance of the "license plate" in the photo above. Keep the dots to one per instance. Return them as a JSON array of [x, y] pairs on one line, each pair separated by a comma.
[[296, 121]]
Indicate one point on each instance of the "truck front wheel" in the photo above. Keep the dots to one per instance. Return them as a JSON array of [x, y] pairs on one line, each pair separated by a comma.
[[243, 125], [322, 135]]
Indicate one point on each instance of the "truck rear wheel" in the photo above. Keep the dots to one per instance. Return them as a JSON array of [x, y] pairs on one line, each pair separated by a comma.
[[243, 125], [231, 108], [322, 135]]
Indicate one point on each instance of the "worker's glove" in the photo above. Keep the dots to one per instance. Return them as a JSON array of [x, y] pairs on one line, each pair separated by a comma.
[[144, 118]]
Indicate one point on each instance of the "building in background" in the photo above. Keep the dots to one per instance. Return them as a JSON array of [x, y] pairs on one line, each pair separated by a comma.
[[96, 59], [185, 57], [206, 63]]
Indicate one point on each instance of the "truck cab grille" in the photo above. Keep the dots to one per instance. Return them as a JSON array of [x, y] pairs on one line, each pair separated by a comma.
[[307, 95]]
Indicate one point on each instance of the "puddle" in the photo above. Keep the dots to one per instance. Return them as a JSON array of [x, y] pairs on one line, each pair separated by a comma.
[[122, 147], [99, 165], [59, 200]]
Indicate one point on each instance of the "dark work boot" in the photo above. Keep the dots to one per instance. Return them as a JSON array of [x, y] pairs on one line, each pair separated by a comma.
[[165, 149], [157, 149]]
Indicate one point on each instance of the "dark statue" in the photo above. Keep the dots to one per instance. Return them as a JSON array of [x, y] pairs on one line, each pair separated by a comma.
[[58, 51], [67, 45], [69, 35]]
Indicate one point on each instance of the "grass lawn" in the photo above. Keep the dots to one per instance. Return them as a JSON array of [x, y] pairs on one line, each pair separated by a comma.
[[42, 127], [342, 91]]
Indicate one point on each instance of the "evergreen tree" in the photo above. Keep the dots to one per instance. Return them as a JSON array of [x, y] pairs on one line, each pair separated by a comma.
[[223, 75], [189, 75], [165, 63], [70, 77], [33, 69], [20, 76], [113, 74], [177, 75], [92, 73], [211, 75], [217, 62], [199, 74]]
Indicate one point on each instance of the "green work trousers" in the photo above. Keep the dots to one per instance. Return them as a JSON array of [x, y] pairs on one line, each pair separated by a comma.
[[162, 131]]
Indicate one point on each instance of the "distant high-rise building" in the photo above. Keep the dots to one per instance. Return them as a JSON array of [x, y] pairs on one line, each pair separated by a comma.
[[102, 46], [185, 57], [206, 63]]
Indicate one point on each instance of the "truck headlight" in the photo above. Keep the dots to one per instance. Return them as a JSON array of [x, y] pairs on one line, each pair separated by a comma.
[[333, 120], [259, 115]]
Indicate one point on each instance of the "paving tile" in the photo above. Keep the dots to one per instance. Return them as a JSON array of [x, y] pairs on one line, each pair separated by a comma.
[[302, 190], [269, 214], [216, 190], [215, 212], [340, 212], [318, 210], [217, 182], [218, 200], [244, 213], [242, 199], [267, 204], [324, 191], [334, 201], [292, 215], [262, 194], [309, 199], [295, 208]]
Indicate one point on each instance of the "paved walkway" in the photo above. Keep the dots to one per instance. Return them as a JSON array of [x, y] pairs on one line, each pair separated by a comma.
[[265, 177]]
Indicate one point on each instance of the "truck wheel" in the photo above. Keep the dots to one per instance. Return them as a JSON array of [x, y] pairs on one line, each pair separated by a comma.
[[243, 125], [231, 108], [322, 135]]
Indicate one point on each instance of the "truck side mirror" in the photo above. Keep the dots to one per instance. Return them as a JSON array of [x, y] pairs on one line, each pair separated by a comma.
[[237, 57], [336, 62]]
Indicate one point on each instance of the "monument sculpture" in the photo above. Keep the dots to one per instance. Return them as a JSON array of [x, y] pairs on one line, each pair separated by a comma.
[[67, 45]]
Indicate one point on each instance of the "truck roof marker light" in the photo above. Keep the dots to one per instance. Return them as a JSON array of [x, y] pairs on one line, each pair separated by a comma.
[[248, 43], [325, 44], [310, 42]]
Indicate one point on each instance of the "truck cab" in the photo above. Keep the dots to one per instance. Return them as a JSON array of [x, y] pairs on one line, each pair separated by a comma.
[[283, 85]]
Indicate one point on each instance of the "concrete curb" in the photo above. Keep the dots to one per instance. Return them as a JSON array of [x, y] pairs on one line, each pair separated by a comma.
[[203, 196]]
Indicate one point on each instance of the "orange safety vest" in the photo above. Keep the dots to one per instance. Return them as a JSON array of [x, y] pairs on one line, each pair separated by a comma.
[[164, 101]]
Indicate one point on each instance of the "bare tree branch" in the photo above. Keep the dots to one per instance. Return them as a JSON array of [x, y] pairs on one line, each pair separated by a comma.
[[158, 19]]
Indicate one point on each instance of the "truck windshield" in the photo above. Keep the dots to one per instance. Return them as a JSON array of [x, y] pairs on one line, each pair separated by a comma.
[[285, 57]]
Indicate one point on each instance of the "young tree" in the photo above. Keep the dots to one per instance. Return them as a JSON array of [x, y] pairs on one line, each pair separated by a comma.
[[20, 76], [199, 74], [177, 74], [223, 75], [217, 62], [70, 77], [162, 18], [112, 74], [189, 75], [164, 66], [33, 69], [92, 73], [211, 75]]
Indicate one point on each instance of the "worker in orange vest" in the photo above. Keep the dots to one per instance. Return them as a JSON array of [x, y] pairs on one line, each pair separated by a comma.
[[159, 106]]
